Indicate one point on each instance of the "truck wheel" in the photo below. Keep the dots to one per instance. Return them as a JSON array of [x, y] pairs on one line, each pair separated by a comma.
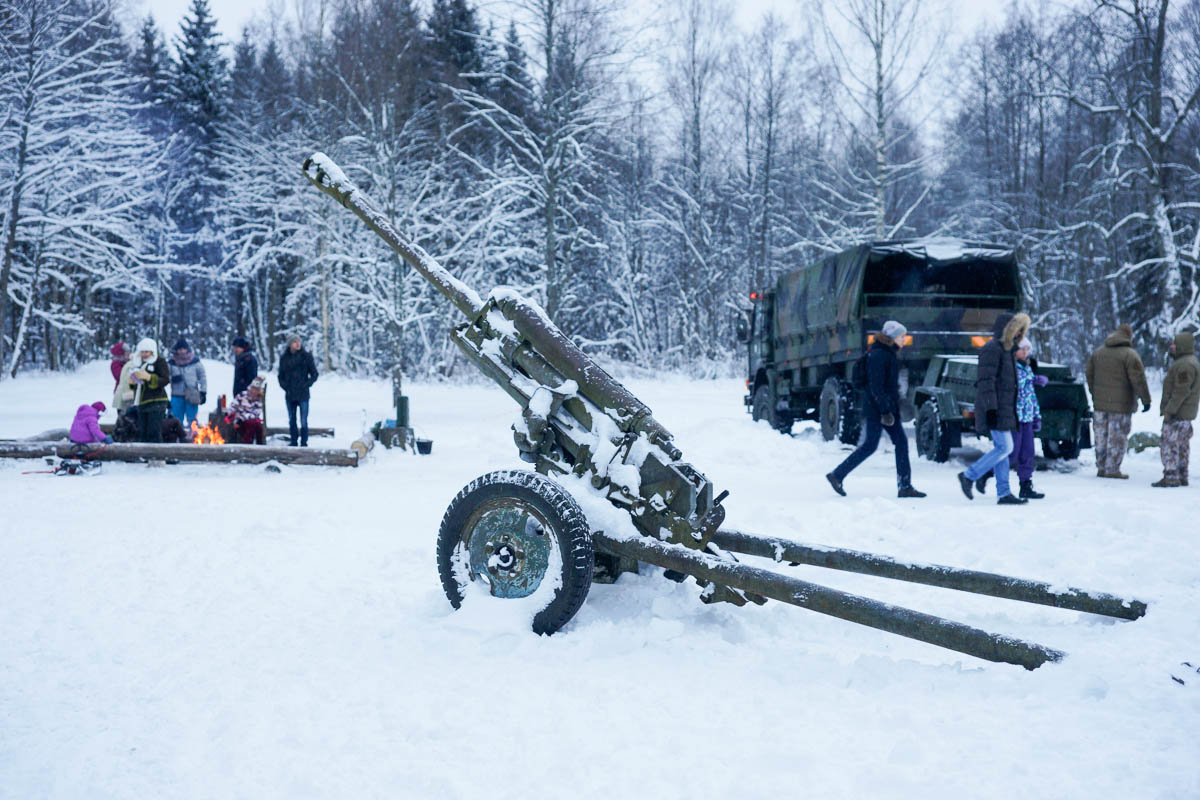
[[933, 437], [839, 413], [1066, 449], [512, 535], [763, 407]]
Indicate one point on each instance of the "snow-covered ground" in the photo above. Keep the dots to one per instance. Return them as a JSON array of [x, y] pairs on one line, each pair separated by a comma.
[[221, 631]]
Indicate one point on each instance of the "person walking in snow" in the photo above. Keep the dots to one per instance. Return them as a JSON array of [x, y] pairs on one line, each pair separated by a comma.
[[245, 365], [120, 357], [85, 428], [996, 408], [881, 411], [246, 412], [1116, 380], [150, 379], [1180, 400], [297, 374], [189, 384], [1029, 420]]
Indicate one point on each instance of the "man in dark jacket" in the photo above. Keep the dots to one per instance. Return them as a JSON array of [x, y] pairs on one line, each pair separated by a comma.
[[245, 365], [297, 374], [881, 411], [996, 407], [1116, 381]]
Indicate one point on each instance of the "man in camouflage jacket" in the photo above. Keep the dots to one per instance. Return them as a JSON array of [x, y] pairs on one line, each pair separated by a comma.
[[1116, 381], [1180, 399]]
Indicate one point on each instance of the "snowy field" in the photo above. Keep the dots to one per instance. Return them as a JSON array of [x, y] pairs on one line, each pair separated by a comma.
[[224, 632]]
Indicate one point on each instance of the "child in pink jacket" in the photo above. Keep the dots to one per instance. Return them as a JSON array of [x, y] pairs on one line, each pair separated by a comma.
[[85, 429]]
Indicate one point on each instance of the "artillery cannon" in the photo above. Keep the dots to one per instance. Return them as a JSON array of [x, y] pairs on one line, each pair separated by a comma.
[[522, 536]]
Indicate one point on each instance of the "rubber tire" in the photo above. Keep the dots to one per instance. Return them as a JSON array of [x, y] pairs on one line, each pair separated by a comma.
[[933, 439], [1066, 449], [566, 520], [763, 407], [837, 412]]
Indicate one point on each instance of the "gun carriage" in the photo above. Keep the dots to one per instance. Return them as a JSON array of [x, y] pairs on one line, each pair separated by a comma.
[[520, 536]]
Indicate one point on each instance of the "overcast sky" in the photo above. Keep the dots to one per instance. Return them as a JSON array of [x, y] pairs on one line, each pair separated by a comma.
[[232, 15]]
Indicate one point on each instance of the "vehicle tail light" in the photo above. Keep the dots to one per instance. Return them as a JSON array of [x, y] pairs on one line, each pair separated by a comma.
[[968, 414], [980, 341]]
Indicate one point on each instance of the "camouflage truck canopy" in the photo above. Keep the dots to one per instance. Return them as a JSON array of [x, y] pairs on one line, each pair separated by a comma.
[[943, 290]]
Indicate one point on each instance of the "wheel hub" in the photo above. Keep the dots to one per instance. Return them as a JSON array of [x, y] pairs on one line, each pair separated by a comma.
[[510, 548]]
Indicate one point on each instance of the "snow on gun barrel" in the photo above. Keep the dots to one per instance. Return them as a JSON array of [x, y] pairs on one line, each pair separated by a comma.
[[516, 534]]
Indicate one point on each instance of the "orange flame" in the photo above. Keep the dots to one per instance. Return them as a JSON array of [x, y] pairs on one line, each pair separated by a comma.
[[206, 435]]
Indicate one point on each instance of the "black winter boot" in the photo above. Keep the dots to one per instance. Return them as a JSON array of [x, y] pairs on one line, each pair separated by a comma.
[[1011, 500], [836, 484], [1028, 492], [965, 483], [981, 484], [909, 491]]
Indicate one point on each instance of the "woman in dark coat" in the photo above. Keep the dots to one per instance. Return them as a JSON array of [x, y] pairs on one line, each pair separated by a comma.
[[996, 407]]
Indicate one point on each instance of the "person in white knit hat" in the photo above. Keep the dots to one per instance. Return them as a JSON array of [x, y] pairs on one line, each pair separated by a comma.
[[881, 411], [150, 378]]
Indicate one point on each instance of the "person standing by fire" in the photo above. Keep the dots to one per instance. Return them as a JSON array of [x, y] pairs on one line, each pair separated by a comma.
[[189, 383], [297, 374], [245, 365], [150, 379]]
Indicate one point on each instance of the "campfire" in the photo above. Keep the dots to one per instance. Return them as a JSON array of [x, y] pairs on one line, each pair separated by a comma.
[[206, 435]]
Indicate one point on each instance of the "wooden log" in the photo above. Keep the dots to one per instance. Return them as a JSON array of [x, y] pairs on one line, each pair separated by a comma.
[[363, 444], [107, 427], [189, 453]]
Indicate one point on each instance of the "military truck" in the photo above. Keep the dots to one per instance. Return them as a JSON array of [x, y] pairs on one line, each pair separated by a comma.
[[805, 334]]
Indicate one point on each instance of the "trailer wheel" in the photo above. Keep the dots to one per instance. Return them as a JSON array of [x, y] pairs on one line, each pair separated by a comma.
[[1066, 449], [514, 535], [838, 412], [933, 435], [763, 407]]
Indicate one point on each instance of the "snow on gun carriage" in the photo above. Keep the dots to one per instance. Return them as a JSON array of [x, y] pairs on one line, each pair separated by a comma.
[[521, 536]]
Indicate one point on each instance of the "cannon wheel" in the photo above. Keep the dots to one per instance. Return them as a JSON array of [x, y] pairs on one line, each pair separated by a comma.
[[839, 416], [764, 408], [933, 439], [517, 534]]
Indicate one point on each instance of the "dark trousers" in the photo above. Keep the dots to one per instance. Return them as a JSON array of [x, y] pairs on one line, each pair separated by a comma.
[[150, 421], [1022, 455], [250, 431], [302, 406], [871, 441]]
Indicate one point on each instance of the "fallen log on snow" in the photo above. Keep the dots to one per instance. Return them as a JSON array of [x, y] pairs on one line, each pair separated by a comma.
[[363, 444], [188, 453], [107, 427]]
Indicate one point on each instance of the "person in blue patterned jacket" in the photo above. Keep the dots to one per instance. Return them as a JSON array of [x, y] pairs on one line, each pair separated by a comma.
[[1029, 420]]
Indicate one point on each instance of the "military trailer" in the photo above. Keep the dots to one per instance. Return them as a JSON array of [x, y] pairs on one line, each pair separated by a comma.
[[806, 333], [945, 404]]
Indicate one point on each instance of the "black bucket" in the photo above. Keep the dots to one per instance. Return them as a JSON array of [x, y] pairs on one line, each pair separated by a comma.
[[424, 446]]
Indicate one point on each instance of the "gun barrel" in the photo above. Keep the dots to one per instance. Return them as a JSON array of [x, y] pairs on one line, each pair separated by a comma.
[[329, 178]]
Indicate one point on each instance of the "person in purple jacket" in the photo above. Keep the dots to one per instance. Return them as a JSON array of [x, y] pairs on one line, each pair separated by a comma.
[[1029, 421], [85, 429]]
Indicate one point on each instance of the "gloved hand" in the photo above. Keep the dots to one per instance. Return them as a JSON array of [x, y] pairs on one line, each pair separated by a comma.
[[108, 439], [1037, 424], [203, 398], [991, 418], [1145, 407], [888, 420], [1040, 380]]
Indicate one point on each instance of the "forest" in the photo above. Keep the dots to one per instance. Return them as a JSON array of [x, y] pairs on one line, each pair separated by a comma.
[[638, 178]]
